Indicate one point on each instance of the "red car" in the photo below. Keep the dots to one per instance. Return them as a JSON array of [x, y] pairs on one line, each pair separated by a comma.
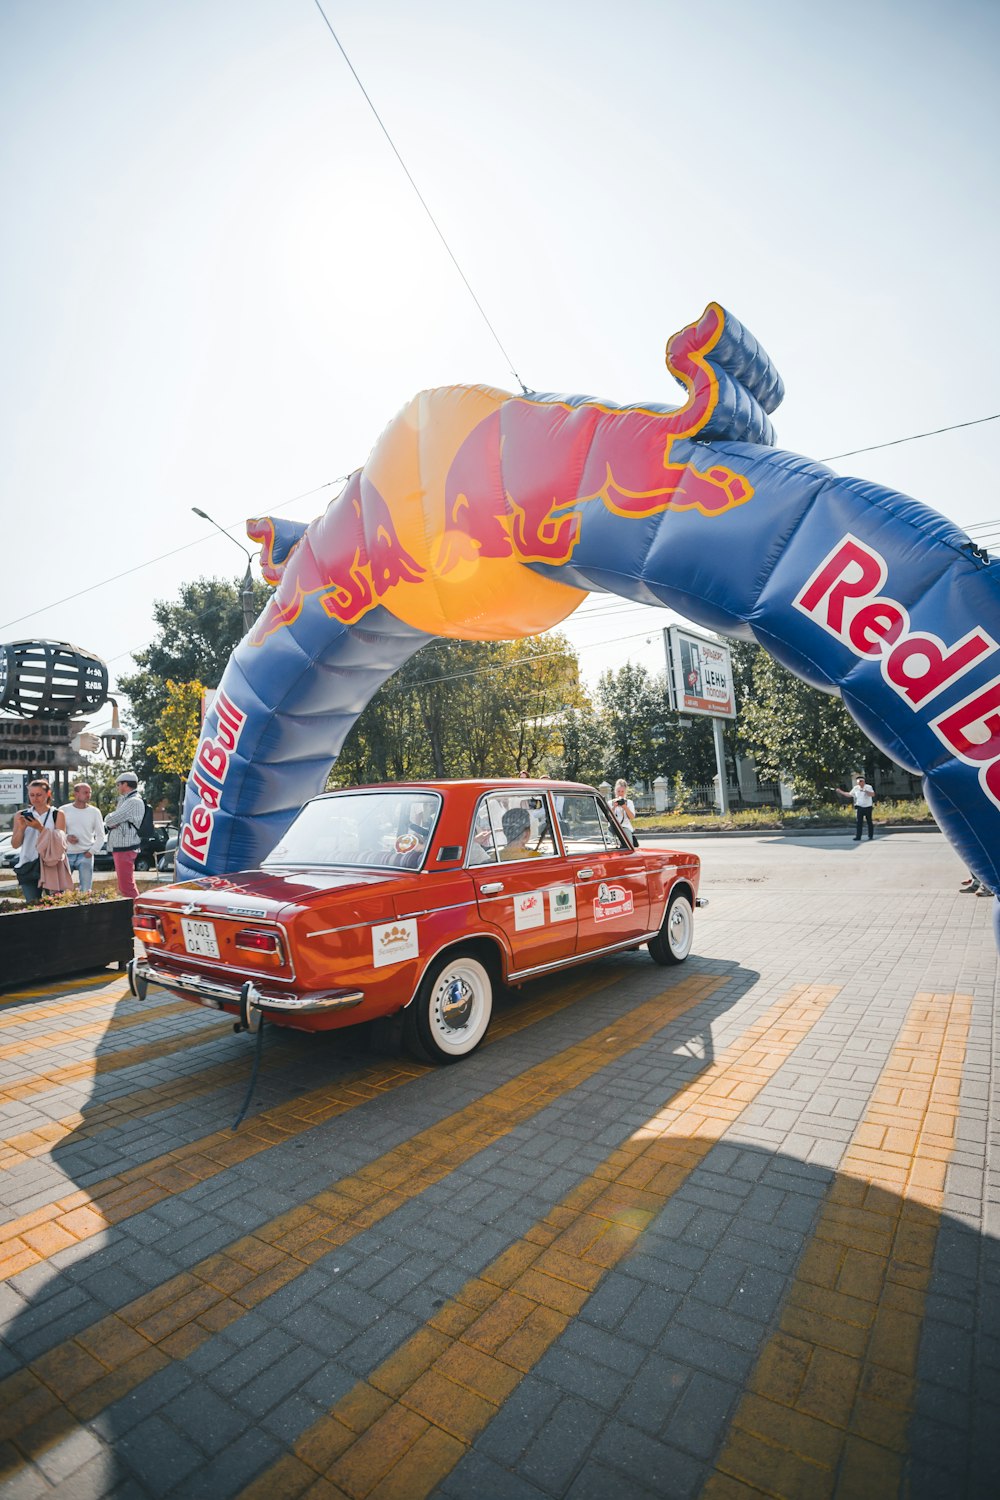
[[422, 898]]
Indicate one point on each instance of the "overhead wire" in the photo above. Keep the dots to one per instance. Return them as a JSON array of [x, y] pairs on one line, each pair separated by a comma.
[[423, 203], [150, 561], [913, 438]]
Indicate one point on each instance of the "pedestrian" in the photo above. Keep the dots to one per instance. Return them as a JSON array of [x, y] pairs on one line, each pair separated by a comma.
[[862, 795], [623, 809], [84, 834], [37, 819], [123, 832]]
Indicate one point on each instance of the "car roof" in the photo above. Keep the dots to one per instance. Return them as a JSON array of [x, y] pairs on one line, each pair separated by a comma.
[[474, 784]]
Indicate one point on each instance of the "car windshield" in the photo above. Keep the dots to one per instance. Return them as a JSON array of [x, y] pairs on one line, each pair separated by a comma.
[[380, 829]]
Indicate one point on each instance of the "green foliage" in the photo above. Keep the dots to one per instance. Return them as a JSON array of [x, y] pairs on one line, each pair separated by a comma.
[[179, 725], [794, 732], [101, 775], [681, 796], [465, 708], [95, 897], [195, 638]]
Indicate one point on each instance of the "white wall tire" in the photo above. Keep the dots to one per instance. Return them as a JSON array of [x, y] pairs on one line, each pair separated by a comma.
[[452, 1010], [672, 943]]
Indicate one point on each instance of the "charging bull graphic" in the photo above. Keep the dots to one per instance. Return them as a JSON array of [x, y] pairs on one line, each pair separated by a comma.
[[485, 516]]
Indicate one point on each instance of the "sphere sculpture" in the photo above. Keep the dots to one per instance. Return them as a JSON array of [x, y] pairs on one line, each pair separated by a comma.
[[50, 680]]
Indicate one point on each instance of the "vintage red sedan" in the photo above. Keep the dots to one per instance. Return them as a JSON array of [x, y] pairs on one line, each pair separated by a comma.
[[423, 898]]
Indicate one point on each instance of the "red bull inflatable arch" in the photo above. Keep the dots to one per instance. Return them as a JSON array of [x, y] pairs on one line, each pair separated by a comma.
[[485, 516]]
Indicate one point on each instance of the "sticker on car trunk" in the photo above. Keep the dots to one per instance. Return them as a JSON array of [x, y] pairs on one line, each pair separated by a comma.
[[394, 941]]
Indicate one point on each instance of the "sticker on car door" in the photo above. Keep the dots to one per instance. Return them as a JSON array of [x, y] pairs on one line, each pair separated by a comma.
[[529, 910], [562, 903], [612, 901]]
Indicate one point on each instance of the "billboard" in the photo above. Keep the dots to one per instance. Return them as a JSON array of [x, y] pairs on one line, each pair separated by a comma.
[[699, 674]]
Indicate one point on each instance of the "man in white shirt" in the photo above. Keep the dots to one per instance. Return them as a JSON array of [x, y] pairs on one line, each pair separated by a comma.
[[862, 795], [84, 833]]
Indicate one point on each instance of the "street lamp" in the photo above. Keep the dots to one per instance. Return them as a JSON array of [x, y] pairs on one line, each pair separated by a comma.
[[246, 588], [114, 740]]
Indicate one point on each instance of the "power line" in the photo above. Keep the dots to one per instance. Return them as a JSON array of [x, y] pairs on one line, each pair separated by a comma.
[[305, 495], [163, 555], [933, 432], [409, 177]]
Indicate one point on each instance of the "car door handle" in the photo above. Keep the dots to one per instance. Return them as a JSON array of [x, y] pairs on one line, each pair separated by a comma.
[[491, 887], [584, 874]]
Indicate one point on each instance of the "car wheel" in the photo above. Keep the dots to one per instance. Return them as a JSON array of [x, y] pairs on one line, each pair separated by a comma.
[[672, 943], [143, 862], [452, 1010]]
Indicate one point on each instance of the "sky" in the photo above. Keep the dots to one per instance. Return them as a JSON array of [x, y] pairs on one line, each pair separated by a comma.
[[218, 285]]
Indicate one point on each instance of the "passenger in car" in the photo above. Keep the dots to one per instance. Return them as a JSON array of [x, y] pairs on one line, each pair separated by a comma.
[[516, 824]]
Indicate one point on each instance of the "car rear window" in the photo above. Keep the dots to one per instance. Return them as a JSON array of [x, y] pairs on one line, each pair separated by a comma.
[[381, 829]]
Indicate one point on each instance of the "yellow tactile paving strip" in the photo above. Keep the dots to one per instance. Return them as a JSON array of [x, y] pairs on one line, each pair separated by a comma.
[[398, 1433], [107, 995], [58, 987], [80, 1377], [148, 1101], [404, 1428], [126, 1057], [48, 1041], [80, 1215], [827, 1406]]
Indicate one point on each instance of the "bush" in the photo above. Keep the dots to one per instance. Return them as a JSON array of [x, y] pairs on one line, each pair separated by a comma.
[[64, 898], [820, 815]]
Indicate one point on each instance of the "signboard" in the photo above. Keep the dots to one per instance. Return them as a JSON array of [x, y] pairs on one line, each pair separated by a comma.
[[12, 786], [699, 674], [40, 744]]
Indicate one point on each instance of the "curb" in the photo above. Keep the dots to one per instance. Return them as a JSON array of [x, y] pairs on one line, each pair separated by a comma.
[[683, 835]]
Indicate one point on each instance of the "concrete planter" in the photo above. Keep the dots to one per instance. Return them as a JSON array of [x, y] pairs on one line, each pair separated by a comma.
[[58, 940]]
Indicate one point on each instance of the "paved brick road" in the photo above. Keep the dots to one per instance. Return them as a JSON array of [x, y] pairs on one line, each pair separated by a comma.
[[728, 1230]]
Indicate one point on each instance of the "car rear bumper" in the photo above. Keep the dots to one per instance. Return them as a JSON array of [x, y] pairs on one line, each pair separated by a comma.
[[219, 996]]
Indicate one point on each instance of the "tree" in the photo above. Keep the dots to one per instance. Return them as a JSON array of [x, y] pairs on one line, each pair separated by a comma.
[[582, 751], [180, 727], [465, 708], [794, 732], [196, 636]]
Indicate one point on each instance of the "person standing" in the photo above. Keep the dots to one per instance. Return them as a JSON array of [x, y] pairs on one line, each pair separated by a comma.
[[863, 796], [28, 825], [624, 811], [123, 832], [84, 833]]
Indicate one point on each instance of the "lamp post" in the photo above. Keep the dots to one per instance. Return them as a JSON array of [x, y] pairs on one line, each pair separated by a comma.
[[246, 588], [114, 740]]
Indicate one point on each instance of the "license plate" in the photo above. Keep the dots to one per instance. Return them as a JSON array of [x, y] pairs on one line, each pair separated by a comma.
[[199, 937]]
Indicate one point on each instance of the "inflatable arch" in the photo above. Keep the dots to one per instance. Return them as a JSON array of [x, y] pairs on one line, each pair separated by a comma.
[[481, 516]]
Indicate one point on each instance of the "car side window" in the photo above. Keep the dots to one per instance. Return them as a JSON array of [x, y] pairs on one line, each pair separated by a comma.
[[584, 825], [511, 826]]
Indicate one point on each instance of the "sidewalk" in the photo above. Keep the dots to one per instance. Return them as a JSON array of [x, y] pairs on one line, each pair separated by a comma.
[[726, 1230]]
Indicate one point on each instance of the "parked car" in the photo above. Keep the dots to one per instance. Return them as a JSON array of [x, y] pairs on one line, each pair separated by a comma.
[[147, 857], [8, 855], [420, 897], [166, 861]]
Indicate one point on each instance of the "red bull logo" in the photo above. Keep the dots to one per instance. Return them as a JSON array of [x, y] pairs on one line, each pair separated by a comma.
[[467, 484]]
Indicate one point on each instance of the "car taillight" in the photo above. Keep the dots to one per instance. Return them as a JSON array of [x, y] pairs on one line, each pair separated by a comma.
[[258, 941], [148, 929]]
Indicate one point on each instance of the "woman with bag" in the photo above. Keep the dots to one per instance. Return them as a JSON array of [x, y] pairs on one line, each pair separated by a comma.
[[32, 838], [624, 810]]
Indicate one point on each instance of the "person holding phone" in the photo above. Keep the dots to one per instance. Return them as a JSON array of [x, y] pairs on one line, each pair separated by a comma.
[[624, 811], [28, 825]]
